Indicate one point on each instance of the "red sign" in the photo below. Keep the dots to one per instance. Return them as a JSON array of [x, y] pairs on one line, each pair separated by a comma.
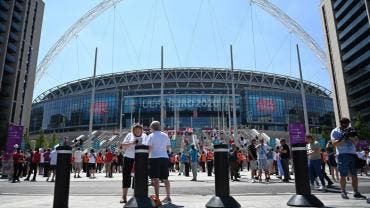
[[266, 105], [100, 108]]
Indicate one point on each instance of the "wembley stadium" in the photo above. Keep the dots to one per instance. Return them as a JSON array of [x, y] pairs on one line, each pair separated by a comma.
[[199, 98]]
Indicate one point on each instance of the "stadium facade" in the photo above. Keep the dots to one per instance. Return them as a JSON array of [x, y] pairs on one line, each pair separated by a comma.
[[194, 97]]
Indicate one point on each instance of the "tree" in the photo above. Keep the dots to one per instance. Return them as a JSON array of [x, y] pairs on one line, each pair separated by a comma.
[[40, 142], [325, 132], [27, 141], [362, 130], [54, 140]]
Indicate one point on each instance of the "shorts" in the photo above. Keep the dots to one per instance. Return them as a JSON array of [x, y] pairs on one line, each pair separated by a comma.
[[262, 164], [92, 166], [253, 164], [158, 168], [347, 164], [78, 165]]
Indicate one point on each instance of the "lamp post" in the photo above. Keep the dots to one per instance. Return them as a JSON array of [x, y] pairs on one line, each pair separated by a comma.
[[120, 114], [120, 123]]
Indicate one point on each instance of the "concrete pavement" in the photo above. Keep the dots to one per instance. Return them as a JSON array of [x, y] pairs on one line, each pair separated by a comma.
[[110, 201], [105, 192]]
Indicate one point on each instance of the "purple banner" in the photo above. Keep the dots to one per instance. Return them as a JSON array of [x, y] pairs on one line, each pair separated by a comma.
[[297, 133], [15, 134]]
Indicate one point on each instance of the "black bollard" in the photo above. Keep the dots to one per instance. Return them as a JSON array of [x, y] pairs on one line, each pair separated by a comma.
[[141, 198], [221, 163], [61, 187], [303, 196]]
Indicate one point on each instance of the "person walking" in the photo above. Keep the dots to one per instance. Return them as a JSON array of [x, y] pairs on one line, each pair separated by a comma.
[[41, 163], [85, 160], [92, 166], [36, 156], [314, 161], [193, 161], [177, 162], [183, 160], [159, 143], [136, 136], [331, 152], [233, 160], [241, 160], [284, 159], [280, 171], [120, 161], [252, 154], [270, 163], [344, 139], [46, 162], [187, 162], [27, 163], [209, 157], [53, 164], [78, 159], [262, 151], [202, 161], [99, 162], [323, 168], [18, 160], [108, 158]]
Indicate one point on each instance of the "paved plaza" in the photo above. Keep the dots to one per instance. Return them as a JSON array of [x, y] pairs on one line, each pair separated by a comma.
[[105, 192]]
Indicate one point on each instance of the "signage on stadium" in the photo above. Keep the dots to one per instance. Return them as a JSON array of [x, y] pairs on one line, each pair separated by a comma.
[[182, 102]]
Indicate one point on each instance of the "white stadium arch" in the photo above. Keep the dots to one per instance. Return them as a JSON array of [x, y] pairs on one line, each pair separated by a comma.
[[82, 22]]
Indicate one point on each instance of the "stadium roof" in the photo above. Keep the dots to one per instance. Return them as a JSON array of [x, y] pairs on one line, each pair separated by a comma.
[[190, 78]]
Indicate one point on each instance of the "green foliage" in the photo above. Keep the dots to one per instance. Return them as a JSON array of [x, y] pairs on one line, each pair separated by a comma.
[[27, 141], [325, 132], [53, 141], [41, 141], [362, 130]]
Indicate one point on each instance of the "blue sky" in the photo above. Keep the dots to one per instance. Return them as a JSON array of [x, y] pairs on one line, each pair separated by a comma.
[[193, 32]]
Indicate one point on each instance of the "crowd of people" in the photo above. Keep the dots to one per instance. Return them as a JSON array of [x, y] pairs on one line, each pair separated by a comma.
[[263, 161], [32, 163]]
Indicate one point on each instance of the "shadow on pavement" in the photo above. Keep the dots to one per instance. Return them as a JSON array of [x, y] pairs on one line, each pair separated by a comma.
[[171, 206]]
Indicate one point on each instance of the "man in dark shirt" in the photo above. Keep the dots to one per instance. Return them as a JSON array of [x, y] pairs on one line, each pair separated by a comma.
[[36, 157], [252, 154], [46, 162], [233, 160], [285, 156]]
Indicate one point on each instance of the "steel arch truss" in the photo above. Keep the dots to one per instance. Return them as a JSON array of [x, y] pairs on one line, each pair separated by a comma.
[[183, 78], [103, 6], [294, 27]]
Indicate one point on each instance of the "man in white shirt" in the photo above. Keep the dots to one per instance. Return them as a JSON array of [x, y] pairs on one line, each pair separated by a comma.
[[262, 150], [92, 164], [53, 164], [41, 164], [78, 162], [159, 143]]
